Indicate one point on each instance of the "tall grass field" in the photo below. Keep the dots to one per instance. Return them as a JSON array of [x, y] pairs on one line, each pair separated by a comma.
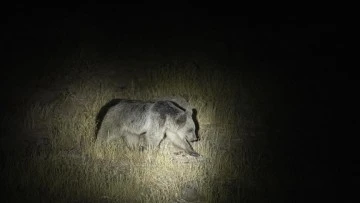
[[50, 155]]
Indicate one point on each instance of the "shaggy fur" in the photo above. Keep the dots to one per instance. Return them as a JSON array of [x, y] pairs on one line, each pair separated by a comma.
[[143, 124]]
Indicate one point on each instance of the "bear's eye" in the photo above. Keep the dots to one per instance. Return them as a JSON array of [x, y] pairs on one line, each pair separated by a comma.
[[190, 130]]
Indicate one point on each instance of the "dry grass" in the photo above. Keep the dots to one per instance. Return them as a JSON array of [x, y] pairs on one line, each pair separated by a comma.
[[71, 169]]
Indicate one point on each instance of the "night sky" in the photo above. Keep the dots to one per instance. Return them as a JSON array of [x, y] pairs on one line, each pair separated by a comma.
[[300, 54]]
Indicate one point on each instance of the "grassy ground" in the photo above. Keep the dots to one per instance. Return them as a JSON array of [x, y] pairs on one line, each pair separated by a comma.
[[263, 88], [54, 159]]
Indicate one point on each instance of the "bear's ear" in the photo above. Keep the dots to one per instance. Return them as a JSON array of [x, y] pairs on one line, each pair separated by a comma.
[[181, 120]]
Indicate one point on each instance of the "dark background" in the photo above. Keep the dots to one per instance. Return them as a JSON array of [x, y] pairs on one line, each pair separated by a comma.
[[300, 55]]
